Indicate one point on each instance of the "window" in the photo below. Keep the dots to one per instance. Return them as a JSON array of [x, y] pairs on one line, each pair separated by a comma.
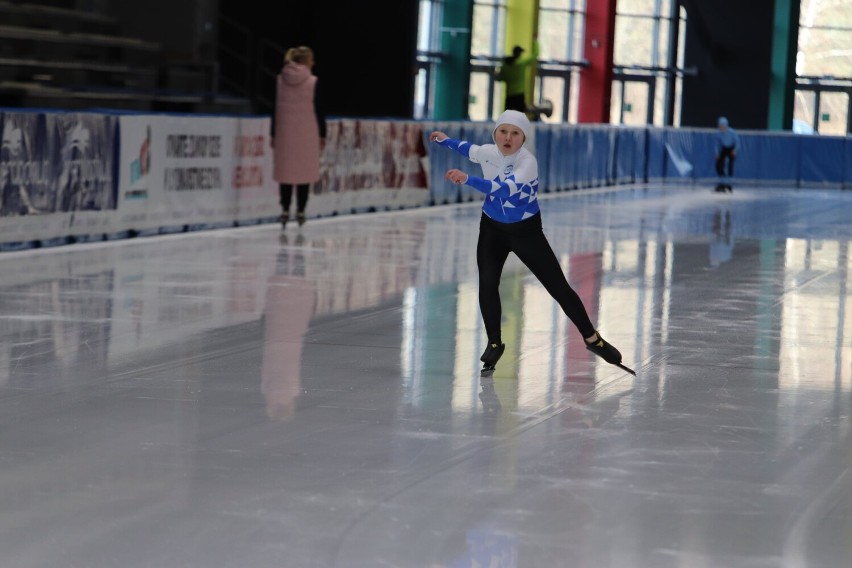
[[647, 62], [561, 26], [486, 52], [428, 55], [823, 70], [648, 59], [825, 39]]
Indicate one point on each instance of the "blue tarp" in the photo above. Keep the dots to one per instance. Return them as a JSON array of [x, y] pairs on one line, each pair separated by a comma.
[[822, 161], [847, 158], [767, 158]]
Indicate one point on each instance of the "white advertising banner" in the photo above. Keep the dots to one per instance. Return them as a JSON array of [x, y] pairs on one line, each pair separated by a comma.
[[86, 187], [82, 176], [194, 158], [136, 196], [257, 192], [176, 172], [371, 164], [56, 175]]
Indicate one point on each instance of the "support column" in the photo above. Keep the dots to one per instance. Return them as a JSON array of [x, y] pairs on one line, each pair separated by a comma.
[[521, 28], [452, 76], [785, 45], [596, 79], [671, 63]]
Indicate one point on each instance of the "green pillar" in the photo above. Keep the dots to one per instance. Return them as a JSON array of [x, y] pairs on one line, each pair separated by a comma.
[[452, 75], [785, 45]]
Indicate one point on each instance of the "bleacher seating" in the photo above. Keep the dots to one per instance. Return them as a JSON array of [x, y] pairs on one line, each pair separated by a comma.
[[54, 55]]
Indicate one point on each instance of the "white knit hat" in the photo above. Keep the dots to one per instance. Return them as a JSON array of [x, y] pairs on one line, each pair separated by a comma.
[[515, 118]]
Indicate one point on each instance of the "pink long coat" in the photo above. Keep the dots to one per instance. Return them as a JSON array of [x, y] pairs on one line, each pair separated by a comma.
[[297, 138]]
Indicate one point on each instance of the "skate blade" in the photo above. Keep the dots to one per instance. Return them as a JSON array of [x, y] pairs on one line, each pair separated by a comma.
[[626, 368], [487, 371]]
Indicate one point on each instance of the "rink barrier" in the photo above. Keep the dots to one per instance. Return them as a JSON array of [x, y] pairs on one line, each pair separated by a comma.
[[90, 176]]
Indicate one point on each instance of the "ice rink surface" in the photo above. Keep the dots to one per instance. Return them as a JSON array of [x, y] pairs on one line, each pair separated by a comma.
[[311, 398]]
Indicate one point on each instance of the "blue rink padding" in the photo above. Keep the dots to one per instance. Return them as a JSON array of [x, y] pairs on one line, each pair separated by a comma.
[[590, 155], [818, 163], [767, 160], [629, 155], [553, 168], [543, 136], [602, 156], [847, 159], [655, 155], [582, 156], [442, 159], [478, 133]]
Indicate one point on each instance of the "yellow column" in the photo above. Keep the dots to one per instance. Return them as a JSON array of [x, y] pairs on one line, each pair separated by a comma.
[[521, 28]]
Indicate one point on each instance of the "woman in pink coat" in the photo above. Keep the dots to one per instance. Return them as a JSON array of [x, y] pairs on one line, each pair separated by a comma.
[[298, 131]]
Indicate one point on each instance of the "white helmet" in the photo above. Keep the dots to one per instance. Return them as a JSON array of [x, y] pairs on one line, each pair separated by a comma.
[[515, 118]]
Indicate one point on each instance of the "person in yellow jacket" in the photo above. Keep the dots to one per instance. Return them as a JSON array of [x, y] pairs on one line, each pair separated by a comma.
[[513, 72]]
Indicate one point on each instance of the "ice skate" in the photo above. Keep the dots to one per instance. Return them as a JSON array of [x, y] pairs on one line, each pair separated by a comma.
[[284, 218], [490, 357], [608, 353], [300, 218]]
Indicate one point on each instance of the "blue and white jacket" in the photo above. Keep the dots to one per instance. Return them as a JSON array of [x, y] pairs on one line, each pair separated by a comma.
[[510, 183]]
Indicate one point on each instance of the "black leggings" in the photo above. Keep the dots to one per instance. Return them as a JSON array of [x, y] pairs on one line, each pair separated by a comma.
[[286, 191], [526, 239], [720, 162]]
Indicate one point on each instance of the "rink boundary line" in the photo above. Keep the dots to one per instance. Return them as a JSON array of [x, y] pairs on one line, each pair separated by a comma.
[[219, 231]]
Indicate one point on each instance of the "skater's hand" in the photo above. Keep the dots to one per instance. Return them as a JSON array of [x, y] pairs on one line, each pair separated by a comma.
[[733, 153], [438, 136], [458, 177]]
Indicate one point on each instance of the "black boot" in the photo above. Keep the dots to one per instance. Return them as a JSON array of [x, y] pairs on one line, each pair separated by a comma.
[[300, 217], [605, 351], [493, 353], [284, 218]]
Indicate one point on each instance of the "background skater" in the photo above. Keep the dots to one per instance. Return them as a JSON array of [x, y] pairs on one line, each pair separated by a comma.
[[727, 143]]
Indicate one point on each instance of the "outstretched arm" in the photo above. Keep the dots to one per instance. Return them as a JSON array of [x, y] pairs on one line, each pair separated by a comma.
[[460, 146]]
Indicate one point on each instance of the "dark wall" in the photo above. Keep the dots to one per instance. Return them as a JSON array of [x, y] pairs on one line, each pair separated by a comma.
[[185, 30], [365, 51], [729, 42]]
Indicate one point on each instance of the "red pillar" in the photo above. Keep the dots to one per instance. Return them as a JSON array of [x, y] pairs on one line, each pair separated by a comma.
[[596, 79]]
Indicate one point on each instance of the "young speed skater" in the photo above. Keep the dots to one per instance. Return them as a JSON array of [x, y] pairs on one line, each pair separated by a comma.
[[511, 222]]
